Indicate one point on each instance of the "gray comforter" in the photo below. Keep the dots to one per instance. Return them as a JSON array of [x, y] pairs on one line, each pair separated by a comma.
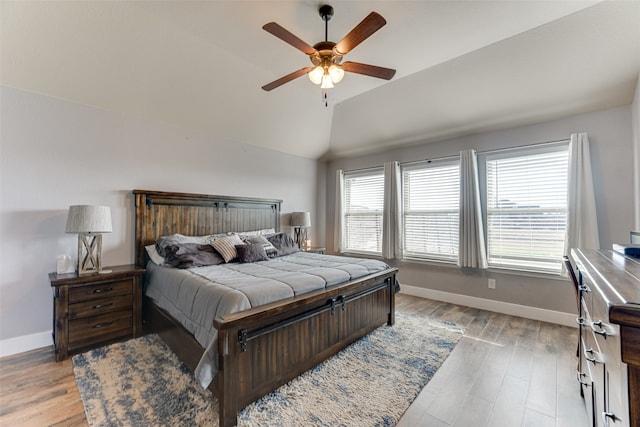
[[196, 296]]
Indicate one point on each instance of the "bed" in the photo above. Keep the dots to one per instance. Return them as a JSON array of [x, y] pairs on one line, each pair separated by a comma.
[[260, 348]]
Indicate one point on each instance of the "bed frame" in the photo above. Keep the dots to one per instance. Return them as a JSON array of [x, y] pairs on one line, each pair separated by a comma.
[[262, 348]]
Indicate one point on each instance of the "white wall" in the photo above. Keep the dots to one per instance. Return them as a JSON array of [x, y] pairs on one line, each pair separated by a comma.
[[56, 153], [610, 135]]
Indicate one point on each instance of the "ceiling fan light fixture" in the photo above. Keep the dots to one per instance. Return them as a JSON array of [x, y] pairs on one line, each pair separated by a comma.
[[336, 72], [326, 82], [316, 74]]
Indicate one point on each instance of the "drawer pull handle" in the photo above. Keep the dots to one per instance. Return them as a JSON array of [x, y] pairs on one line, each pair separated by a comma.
[[599, 324], [606, 416], [590, 359], [579, 376], [102, 325], [103, 305], [99, 291]]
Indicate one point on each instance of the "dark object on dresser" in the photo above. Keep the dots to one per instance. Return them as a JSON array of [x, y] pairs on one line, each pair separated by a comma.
[[609, 352], [95, 308], [264, 347]]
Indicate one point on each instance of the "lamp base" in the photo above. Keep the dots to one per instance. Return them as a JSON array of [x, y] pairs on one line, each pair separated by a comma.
[[300, 236], [89, 253]]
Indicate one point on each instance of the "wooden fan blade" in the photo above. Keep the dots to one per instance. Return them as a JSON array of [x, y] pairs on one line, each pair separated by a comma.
[[289, 37], [286, 79], [369, 70], [369, 25]]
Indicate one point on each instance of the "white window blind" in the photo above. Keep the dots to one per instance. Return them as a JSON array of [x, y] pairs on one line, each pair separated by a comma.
[[431, 211], [527, 209], [364, 202]]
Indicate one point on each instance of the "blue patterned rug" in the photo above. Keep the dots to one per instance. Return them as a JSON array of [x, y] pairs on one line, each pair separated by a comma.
[[372, 382]]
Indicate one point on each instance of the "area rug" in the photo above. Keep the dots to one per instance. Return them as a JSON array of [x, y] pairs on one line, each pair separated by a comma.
[[372, 382]]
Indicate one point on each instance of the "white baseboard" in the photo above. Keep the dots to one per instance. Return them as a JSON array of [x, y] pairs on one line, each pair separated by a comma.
[[24, 343], [551, 316]]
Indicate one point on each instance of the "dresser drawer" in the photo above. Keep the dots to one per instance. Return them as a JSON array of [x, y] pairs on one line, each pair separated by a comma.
[[586, 297], [90, 330], [99, 306], [586, 385], [100, 290], [616, 411]]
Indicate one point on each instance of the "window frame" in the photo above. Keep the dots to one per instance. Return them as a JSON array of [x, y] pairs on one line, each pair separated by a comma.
[[430, 256], [370, 172], [483, 158]]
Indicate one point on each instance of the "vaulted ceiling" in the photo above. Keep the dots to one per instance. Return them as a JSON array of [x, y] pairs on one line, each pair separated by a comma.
[[462, 66]]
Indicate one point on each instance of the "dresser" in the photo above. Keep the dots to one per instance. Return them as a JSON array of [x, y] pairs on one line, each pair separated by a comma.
[[609, 339], [93, 309]]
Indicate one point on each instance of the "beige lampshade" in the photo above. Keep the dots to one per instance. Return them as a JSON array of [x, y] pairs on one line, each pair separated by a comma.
[[300, 219], [89, 219]]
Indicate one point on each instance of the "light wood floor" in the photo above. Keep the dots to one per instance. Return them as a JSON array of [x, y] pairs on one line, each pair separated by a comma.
[[506, 371]]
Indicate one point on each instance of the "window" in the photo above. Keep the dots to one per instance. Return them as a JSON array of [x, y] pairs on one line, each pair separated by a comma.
[[526, 208], [363, 204], [431, 199]]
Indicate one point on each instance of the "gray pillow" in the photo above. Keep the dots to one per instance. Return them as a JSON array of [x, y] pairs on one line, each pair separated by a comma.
[[284, 243], [179, 239], [268, 247], [252, 252], [187, 255]]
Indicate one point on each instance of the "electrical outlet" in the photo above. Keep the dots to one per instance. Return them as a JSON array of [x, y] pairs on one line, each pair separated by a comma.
[[492, 283]]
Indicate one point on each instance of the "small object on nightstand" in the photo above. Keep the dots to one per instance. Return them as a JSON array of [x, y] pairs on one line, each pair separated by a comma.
[[94, 309], [315, 250]]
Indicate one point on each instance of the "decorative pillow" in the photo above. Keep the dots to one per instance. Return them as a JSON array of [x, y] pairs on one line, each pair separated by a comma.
[[154, 255], [226, 246], [187, 255], [284, 243], [252, 252], [178, 239], [261, 232], [268, 247]]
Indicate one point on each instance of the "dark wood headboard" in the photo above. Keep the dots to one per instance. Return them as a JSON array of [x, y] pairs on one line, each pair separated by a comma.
[[160, 213]]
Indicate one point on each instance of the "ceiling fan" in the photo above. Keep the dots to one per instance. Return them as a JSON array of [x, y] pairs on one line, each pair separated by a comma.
[[326, 56]]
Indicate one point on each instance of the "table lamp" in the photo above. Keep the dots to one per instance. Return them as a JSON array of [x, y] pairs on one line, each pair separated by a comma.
[[89, 222]]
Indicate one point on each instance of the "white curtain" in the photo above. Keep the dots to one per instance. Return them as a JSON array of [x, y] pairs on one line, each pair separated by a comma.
[[582, 221], [338, 236], [392, 214], [471, 252]]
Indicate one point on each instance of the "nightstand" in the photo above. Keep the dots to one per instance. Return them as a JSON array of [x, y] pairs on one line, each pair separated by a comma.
[[315, 250], [95, 308]]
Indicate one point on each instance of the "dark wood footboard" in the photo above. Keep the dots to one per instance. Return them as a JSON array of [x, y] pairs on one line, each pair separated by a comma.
[[262, 349]]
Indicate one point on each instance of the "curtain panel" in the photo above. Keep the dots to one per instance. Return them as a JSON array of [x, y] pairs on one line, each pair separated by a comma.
[[472, 250], [582, 221], [392, 212], [338, 236]]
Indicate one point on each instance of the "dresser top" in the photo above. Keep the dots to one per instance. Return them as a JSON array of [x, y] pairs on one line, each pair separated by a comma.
[[618, 275], [617, 279]]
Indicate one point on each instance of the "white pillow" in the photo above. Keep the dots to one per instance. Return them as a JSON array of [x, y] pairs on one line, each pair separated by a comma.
[[262, 232], [154, 255], [226, 246]]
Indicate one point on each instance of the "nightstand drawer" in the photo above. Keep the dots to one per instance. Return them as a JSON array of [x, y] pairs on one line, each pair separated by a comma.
[[101, 290], [98, 306], [90, 330]]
